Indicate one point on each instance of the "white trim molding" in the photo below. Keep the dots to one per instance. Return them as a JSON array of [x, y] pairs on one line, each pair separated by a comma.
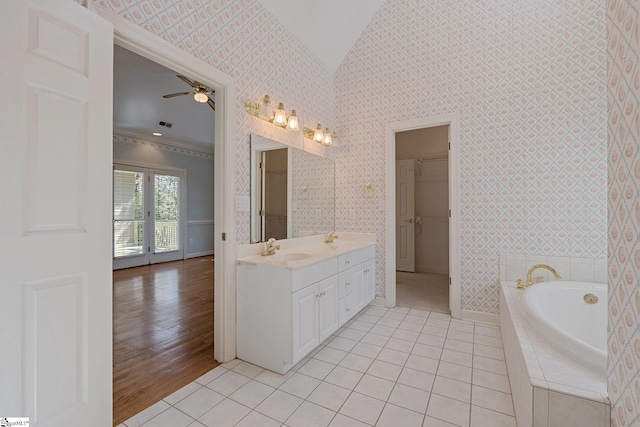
[[201, 222], [165, 144], [198, 254], [480, 316], [140, 41], [453, 121]]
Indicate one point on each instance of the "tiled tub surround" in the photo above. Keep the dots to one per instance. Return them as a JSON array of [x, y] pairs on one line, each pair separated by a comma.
[[515, 266], [549, 389]]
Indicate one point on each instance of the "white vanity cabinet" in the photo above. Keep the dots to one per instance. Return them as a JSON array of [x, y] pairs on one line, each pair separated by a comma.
[[287, 306], [315, 315], [283, 314], [357, 282]]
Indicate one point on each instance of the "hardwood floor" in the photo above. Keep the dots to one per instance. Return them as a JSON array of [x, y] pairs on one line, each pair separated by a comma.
[[162, 331]]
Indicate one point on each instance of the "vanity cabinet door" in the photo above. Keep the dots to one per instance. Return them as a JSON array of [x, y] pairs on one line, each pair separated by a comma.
[[328, 307], [358, 288], [369, 281], [305, 321]]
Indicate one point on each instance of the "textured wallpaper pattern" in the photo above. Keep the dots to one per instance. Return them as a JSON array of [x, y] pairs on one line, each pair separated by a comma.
[[624, 212], [245, 41], [528, 79]]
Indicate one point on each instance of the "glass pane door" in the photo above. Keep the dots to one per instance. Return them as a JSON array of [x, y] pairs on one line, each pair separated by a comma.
[[167, 207], [128, 213], [147, 216], [167, 213]]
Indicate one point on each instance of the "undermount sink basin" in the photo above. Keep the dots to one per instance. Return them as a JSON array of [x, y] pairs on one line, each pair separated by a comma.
[[292, 256]]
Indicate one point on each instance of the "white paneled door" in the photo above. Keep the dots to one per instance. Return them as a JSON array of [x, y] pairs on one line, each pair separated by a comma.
[[405, 214], [148, 216], [55, 232]]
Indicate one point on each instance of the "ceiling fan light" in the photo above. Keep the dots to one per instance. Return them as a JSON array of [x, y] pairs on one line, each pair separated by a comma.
[[201, 97]]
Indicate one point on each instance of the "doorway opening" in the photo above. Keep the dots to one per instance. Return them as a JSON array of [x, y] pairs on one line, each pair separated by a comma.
[[452, 122], [163, 234], [422, 219]]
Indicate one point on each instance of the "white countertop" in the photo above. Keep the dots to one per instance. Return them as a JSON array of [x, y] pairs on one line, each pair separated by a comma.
[[303, 251]]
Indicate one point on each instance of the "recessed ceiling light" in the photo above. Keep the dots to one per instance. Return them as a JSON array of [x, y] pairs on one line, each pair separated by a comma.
[[157, 134]]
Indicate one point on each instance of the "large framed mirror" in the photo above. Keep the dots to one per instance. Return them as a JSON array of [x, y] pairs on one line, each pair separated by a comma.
[[292, 191]]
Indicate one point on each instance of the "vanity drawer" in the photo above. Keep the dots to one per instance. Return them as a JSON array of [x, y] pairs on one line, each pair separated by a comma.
[[346, 284], [345, 309], [303, 277], [350, 259]]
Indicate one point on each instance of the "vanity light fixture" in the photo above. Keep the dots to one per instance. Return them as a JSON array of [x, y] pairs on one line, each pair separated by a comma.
[[324, 137], [278, 116]]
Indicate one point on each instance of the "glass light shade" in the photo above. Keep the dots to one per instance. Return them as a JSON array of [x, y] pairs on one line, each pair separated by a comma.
[[265, 107], [327, 139], [292, 123], [318, 135], [201, 97], [280, 116]]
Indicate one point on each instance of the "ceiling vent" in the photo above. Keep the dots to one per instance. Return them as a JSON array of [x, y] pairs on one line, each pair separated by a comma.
[[165, 124]]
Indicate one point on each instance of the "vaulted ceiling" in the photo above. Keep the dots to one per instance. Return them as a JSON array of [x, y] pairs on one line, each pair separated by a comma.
[[329, 28]]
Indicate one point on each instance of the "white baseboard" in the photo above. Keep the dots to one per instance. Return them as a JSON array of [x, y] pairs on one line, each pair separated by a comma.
[[479, 316], [378, 301], [198, 254]]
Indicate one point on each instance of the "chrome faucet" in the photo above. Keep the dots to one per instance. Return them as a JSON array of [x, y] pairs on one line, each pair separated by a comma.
[[539, 279], [270, 247], [329, 238]]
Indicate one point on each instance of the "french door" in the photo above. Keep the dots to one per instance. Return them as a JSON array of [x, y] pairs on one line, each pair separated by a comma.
[[148, 215]]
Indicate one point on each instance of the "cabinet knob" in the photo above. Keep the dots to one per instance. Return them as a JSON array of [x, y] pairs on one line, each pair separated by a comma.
[[347, 262], [347, 310], [323, 293], [348, 284], [318, 295]]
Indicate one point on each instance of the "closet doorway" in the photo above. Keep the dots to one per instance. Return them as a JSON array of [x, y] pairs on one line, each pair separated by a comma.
[[422, 218]]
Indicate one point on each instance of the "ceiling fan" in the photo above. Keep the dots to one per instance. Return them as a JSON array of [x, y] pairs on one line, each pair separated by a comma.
[[201, 93]]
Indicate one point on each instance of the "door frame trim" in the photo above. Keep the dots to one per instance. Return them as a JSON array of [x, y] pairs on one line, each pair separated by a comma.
[[453, 121], [140, 41]]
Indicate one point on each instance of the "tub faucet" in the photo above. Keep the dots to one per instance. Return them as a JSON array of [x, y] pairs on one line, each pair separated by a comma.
[[329, 238], [270, 247], [539, 278]]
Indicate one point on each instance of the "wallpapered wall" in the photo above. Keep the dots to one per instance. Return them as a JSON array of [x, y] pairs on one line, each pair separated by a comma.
[[528, 78], [624, 212], [245, 41]]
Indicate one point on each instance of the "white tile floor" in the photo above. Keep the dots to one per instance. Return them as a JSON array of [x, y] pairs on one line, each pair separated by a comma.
[[387, 367]]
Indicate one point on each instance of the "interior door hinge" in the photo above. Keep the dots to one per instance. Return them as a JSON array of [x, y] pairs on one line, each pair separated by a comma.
[[261, 165], [449, 213], [224, 237], [261, 212], [449, 145], [449, 280], [148, 248]]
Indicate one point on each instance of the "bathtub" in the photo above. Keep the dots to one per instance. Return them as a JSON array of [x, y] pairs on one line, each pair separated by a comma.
[[555, 351], [559, 313]]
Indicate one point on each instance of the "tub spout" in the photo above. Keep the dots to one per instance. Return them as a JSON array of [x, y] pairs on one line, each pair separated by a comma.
[[539, 279]]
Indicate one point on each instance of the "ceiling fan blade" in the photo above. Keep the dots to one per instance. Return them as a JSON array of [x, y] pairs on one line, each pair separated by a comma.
[[177, 94], [212, 104], [186, 80]]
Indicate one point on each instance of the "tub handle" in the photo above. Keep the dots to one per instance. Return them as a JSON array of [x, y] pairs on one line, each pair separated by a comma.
[[590, 298]]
